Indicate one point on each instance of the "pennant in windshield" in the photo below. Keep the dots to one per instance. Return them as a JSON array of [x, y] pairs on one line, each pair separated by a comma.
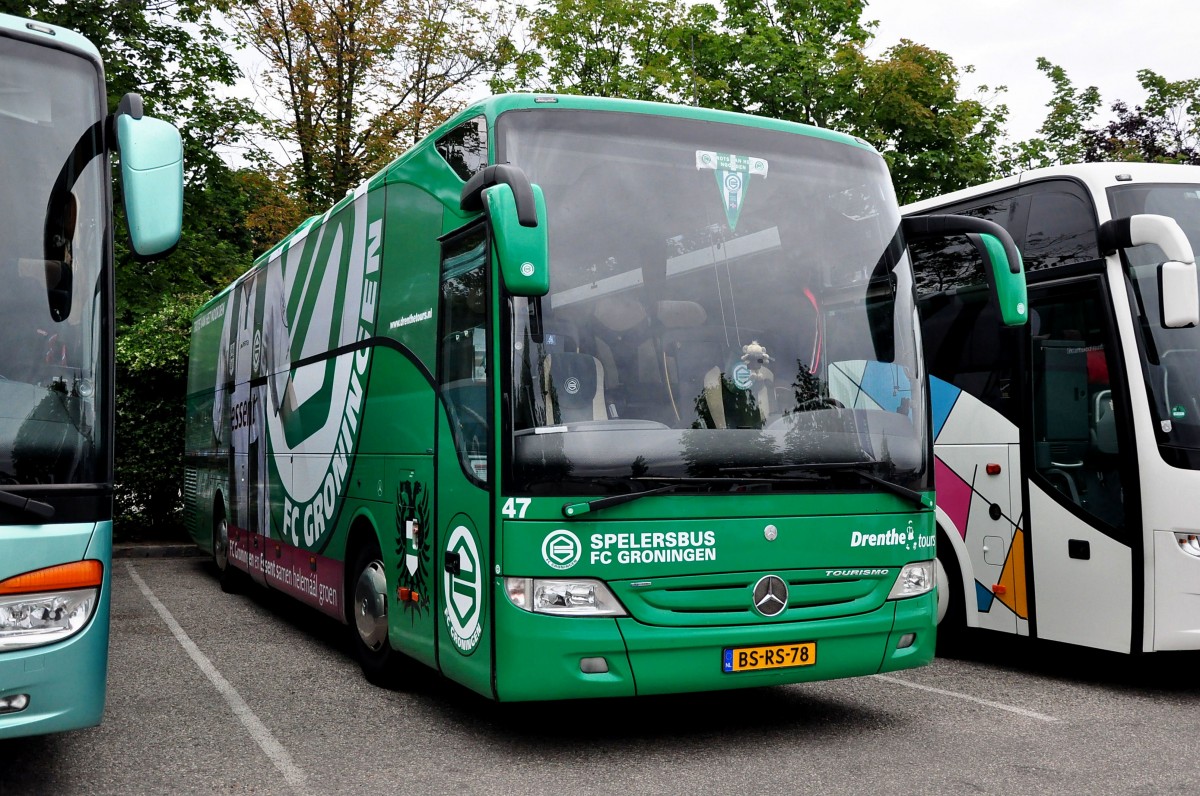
[[733, 178]]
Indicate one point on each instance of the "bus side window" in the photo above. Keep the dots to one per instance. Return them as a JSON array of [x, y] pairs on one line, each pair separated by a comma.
[[965, 343], [1061, 231], [465, 147], [463, 366]]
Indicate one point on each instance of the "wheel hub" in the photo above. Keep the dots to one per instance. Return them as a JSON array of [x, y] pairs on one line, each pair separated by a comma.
[[370, 605], [221, 545]]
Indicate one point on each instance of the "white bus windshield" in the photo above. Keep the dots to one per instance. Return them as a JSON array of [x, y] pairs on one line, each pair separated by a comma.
[[724, 301], [1172, 355], [53, 198]]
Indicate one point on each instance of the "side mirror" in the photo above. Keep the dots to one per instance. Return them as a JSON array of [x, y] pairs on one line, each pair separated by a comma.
[[151, 178], [1179, 295], [516, 210], [524, 252], [997, 249]]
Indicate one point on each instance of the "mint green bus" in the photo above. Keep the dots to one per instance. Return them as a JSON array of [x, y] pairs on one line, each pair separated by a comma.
[[586, 397], [56, 364]]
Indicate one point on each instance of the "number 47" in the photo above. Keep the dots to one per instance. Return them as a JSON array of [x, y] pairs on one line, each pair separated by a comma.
[[516, 507]]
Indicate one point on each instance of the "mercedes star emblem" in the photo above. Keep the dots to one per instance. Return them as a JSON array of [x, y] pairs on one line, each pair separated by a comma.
[[770, 595]]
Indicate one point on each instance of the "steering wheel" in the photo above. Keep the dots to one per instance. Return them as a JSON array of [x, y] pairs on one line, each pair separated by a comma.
[[820, 402]]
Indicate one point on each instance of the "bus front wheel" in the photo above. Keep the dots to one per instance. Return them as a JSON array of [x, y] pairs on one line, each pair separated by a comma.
[[366, 601], [951, 612]]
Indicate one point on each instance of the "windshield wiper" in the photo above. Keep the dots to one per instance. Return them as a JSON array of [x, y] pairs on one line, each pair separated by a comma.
[[35, 507], [847, 468], [896, 489], [672, 484]]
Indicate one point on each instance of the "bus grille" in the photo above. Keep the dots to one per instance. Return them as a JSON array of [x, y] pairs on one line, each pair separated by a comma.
[[713, 600], [191, 479]]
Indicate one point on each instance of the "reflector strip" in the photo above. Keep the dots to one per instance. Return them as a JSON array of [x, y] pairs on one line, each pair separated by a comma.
[[76, 575]]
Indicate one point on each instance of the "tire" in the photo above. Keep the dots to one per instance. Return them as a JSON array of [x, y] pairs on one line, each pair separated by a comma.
[[952, 615], [366, 616], [229, 576]]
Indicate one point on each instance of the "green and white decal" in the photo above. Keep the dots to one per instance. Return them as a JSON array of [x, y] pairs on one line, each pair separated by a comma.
[[733, 178], [463, 587], [332, 307]]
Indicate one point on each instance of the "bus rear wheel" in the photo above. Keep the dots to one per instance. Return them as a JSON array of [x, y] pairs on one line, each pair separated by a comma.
[[366, 601], [227, 574]]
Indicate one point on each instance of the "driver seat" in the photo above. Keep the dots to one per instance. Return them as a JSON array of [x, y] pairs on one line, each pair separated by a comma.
[[573, 388]]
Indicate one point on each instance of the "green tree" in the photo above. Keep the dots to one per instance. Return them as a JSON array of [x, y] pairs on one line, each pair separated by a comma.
[[1164, 129], [361, 80], [909, 107], [792, 59], [609, 48], [1061, 137], [800, 60]]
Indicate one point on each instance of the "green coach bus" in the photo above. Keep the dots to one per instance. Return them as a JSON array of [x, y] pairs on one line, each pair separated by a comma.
[[587, 397]]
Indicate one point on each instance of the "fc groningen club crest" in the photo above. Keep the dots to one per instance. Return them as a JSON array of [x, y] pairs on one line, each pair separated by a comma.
[[733, 179]]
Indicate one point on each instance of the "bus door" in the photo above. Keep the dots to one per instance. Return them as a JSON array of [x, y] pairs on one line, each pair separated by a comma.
[[1079, 485], [464, 461]]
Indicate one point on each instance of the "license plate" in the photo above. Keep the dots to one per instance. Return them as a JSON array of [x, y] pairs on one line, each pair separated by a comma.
[[775, 656]]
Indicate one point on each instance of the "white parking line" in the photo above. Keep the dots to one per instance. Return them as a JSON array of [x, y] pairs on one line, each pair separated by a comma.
[[258, 731], [1032, 714]]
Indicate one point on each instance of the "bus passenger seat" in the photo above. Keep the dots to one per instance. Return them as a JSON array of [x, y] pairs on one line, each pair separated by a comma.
[[1104, 424], [574, 388]]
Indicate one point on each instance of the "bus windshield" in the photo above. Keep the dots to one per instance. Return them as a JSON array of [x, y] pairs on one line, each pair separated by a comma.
[[1172, 355], [53, 202], [725, 302]]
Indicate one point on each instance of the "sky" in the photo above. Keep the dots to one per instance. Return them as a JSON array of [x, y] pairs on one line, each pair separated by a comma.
[[1100, 43]]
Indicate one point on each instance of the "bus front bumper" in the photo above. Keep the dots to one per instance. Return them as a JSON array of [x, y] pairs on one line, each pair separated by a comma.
[[64, 682], [542, 657]]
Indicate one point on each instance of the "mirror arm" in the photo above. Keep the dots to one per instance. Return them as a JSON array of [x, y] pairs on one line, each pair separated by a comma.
[[943, 225], [1114, 235], [1123, 233], [56, 237], [472, 194], [537, 332]]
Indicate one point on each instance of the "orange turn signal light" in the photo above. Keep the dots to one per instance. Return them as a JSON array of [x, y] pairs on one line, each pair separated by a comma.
[[76, 575], [999, 589]]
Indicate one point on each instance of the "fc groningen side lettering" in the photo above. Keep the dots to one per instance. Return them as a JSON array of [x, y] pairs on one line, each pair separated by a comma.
[[330, 305]]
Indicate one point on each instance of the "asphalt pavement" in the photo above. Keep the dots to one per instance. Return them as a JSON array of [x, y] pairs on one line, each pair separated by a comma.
[[250, 693]]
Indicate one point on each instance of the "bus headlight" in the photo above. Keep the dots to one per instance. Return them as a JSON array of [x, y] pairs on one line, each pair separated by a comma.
[[48, 605], [580, 597], [914, 579]]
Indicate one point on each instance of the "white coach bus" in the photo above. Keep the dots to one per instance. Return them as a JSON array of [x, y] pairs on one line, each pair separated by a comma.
[[1068, 450]]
